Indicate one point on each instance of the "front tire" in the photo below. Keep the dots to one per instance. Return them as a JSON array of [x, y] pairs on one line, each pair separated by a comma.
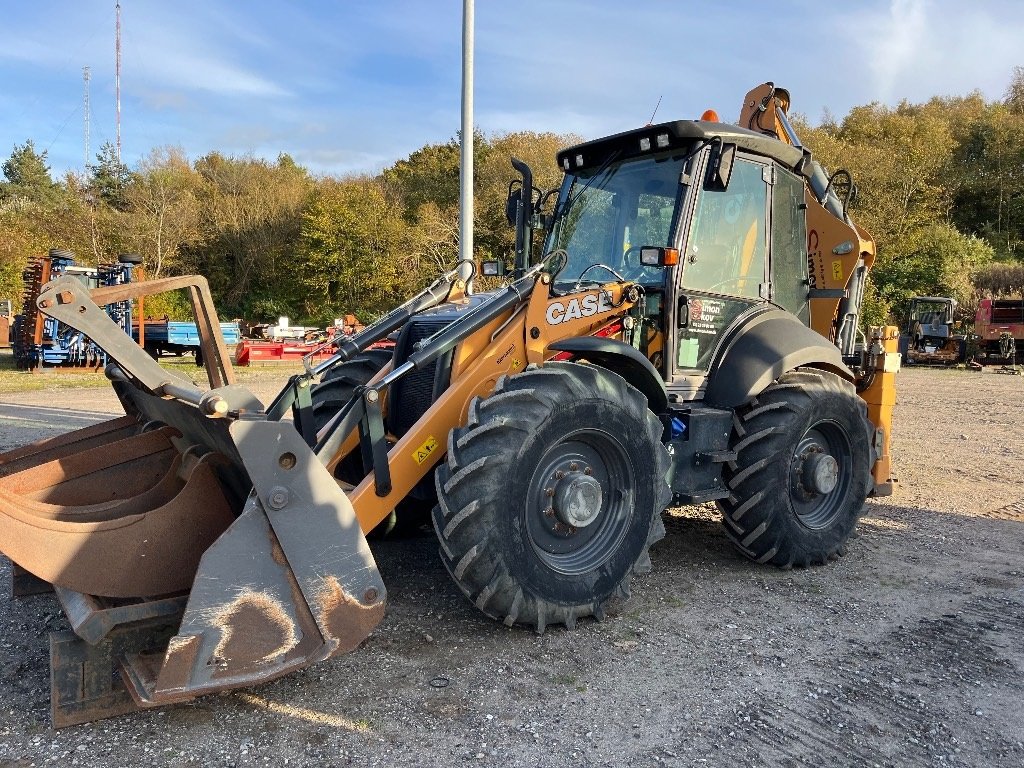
[[551, 495], [339, 383], [803, 470]]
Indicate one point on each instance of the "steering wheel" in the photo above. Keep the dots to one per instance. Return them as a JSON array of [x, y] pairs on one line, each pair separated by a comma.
[[732, 209], [628, 251], [596, 265]]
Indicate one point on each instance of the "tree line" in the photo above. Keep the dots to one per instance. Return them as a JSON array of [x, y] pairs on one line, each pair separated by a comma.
[[940, 186]]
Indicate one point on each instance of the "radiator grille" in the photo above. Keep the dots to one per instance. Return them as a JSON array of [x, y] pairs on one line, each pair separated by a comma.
[[412, 395]]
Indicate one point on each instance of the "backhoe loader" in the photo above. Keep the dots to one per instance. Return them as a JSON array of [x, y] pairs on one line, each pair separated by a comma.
[[684, 329]]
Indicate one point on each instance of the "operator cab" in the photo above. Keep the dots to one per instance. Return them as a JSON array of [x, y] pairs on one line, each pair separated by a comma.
[[704, 195]]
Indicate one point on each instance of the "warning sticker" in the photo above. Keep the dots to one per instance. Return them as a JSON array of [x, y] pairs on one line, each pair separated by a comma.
[[424, 452], [837, 270]]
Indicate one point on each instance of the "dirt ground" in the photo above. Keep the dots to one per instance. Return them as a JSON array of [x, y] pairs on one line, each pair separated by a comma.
[[906, 652]]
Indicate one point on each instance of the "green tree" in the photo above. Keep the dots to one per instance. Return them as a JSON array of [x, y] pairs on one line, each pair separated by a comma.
[[28, 175], [355, 255], [937, 260], [428, 175], [989, 197], [109, 177], [1014, 97], [162, 200], [18, 241], [251, 218]]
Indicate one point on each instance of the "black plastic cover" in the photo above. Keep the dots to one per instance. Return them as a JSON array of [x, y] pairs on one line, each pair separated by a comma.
[[758, 352]]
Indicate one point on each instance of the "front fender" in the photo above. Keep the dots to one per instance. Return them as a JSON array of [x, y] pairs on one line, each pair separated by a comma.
[[623, 359]]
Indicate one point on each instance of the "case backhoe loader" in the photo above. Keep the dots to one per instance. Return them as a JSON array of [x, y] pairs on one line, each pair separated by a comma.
[[685, 328]]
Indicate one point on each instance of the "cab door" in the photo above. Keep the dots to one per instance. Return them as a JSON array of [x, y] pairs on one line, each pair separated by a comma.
[[724, 263]]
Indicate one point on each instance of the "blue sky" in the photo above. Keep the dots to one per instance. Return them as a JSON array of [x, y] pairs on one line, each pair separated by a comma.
[[351, 86]]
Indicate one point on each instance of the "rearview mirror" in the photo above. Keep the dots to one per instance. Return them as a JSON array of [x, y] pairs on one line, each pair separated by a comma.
[[720, 165], [515, 195]]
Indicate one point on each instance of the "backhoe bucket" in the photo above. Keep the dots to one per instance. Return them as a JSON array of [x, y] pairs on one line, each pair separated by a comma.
[[194, 548]]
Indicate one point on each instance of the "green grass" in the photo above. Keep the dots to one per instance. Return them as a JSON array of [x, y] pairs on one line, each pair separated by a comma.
[[14, 381]]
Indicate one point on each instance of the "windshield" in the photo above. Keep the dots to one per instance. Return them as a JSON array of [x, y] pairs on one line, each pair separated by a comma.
[[930, 312], [605, 215]]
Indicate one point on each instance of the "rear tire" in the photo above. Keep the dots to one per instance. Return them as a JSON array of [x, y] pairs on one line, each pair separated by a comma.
[[803, 470], [552, 494]]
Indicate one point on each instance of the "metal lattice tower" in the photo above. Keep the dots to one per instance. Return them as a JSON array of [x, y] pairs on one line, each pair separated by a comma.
[[117, 79], [86, 76]]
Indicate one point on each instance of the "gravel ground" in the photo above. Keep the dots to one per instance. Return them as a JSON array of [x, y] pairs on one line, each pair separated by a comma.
[[906, 652]]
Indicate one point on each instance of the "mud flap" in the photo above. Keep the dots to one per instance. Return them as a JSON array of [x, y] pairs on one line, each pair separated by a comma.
[[291, 582]]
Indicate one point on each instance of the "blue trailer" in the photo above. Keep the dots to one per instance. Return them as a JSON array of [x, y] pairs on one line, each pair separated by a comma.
[[174, 337]]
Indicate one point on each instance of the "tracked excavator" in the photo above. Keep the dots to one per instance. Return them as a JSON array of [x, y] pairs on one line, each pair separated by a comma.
[[679, 324]]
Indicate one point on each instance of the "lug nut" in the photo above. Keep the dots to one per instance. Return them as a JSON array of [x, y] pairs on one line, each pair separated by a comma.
[[559, 475], [549, 491], [573, 467], [588, 471]]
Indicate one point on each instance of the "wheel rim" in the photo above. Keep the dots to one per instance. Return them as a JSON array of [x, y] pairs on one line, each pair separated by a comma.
[[820, 473], [579, 501]]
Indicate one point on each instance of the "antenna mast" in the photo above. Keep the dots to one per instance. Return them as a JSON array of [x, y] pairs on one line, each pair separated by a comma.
[[86, 75], [117, 79]]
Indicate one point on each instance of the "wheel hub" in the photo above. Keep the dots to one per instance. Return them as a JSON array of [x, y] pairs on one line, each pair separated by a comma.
[[578, 499], [820, 473]]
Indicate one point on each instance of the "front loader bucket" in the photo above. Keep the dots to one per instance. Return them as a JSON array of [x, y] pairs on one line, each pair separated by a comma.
[[292, 581], [128, 518], [193, 548]]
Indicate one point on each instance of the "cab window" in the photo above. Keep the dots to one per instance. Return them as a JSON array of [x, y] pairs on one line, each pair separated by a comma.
[[724, 265], [789, 245], [726, 250]]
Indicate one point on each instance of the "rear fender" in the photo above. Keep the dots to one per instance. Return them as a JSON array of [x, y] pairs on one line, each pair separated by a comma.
[[762, 349]]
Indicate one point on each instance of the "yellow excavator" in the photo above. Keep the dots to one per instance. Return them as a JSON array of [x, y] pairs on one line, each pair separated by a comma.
[[679, 324]]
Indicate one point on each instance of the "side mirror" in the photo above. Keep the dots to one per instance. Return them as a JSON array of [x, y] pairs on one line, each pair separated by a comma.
[[515, 195], [720, 164]]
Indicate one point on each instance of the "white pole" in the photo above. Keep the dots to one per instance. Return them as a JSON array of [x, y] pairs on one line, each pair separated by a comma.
[[466, 148]]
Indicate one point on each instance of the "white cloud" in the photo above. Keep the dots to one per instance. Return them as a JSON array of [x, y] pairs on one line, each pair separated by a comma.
[[900, 40], [194, 52], [916, 49]]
